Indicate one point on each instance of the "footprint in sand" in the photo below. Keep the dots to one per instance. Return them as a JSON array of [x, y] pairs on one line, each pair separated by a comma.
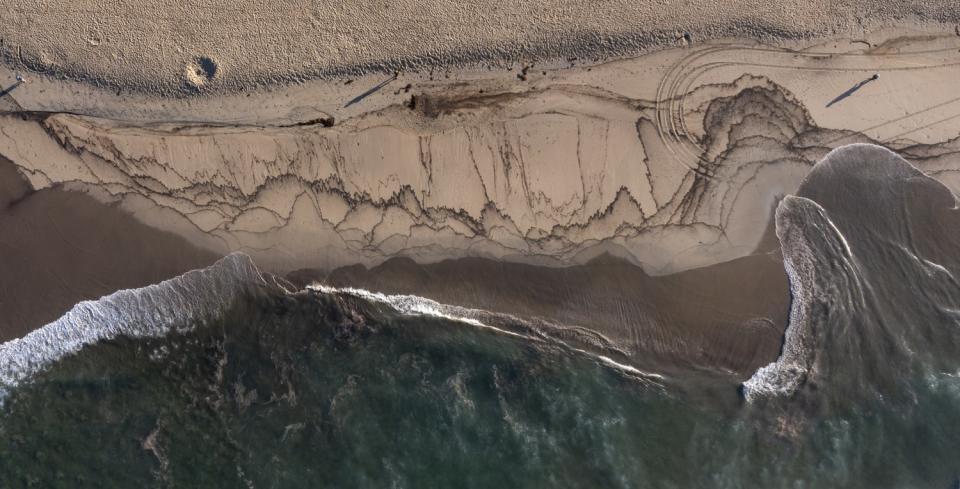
[[201, 71]]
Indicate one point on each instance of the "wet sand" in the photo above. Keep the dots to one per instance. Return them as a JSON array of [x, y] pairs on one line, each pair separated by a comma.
[[60, 248], [605, 175], [728, 316]]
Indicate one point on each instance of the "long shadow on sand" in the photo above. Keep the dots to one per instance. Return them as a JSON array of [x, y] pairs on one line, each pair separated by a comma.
[[370, 92], [853, 89], [10, 88]]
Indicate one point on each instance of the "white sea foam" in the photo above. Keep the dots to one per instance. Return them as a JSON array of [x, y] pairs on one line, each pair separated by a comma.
[[416, 305], [798, 218], [783, 376], [630, 369], [151, 311], [180, 303], [627, 368]]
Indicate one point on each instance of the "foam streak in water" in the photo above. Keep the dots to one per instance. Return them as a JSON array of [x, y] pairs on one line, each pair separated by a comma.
[[415, 305], [824, 272], [412, 305]]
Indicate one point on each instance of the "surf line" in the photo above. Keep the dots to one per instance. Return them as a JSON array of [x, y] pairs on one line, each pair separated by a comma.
[[629, 369], [413, 305], [153, 311]]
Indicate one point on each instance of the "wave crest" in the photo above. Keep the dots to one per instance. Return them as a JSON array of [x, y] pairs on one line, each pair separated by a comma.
[[151, 311]]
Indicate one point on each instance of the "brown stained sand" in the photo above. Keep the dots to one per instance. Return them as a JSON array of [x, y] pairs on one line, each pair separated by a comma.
[[59, 248], [146, 44]]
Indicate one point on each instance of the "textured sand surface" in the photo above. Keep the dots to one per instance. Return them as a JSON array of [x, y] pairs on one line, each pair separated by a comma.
[[172, 45], [673, 161]]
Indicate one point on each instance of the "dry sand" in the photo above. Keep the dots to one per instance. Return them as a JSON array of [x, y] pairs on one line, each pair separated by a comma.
[[673, 160], [170, 45]]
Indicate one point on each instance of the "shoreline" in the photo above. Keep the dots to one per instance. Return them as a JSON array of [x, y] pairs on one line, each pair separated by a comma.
[[638, 320], [660, 243], [673, 162]]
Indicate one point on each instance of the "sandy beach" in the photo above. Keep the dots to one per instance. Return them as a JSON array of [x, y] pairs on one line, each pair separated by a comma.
[[169, 47], [535, 144], [398, 243]]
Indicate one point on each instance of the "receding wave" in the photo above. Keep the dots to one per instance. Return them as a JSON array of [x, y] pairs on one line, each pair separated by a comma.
[[864, 244], [806, 236]]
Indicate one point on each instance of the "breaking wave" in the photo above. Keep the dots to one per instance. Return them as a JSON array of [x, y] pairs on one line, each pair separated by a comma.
[[202, 296], [153, 311]]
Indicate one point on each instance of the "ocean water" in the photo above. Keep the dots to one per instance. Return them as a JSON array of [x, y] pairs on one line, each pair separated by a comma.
[[251, 386]]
